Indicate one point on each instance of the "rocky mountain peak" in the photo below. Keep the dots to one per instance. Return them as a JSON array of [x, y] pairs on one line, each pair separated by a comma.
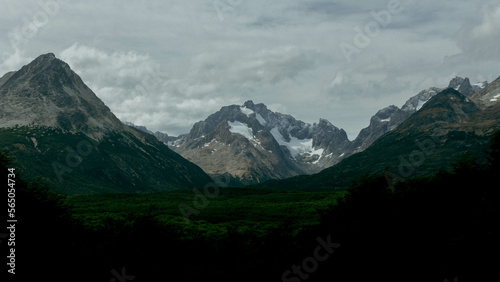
[[42, 62], [45, 59], [326, 123], [455, 82], [447, 107], [46, 92], [44, 73], [266, 144], [48, 56], [249, 104], [466, 88], [48, 104], [416, 102], [386, 112]]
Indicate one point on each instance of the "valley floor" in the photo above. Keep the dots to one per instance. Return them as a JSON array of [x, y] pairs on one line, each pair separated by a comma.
[[442, 227], [258, 209]]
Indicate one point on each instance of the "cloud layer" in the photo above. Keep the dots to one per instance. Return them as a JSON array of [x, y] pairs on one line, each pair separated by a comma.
[[168, 64]]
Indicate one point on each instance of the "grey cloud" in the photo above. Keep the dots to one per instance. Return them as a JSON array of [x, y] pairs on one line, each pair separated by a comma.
[[282, 53], [334, 8]]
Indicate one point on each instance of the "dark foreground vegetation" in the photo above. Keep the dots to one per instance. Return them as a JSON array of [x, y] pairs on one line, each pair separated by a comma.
[[433, 228]]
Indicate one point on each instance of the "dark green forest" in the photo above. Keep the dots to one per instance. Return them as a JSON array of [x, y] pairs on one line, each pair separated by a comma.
[[443, 226]]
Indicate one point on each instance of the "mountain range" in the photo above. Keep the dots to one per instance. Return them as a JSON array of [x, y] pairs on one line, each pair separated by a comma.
[[449, 126], [251, 144], [58, 130], [55, 128]]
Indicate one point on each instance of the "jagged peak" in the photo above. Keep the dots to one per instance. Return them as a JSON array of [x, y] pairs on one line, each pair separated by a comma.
[[387, 111], [44, 60], [325, 121], [465, 88], [46, 68], [463, 85], [249, 104], [455, 82]]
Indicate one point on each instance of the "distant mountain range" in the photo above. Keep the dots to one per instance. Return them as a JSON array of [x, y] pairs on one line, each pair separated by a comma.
[[57, 129], [251, 144]]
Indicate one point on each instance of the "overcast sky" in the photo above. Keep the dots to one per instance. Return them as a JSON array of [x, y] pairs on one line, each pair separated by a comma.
[[167, 64]]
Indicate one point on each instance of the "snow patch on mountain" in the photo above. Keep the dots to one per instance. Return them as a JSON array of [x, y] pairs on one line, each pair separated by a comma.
[[416, 102], [421, 103], [260, 119], [481, 84], [240, 128], [173, 143], [243, 129], [296, 146], [246, 111], [209, 143], [318, 152]]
